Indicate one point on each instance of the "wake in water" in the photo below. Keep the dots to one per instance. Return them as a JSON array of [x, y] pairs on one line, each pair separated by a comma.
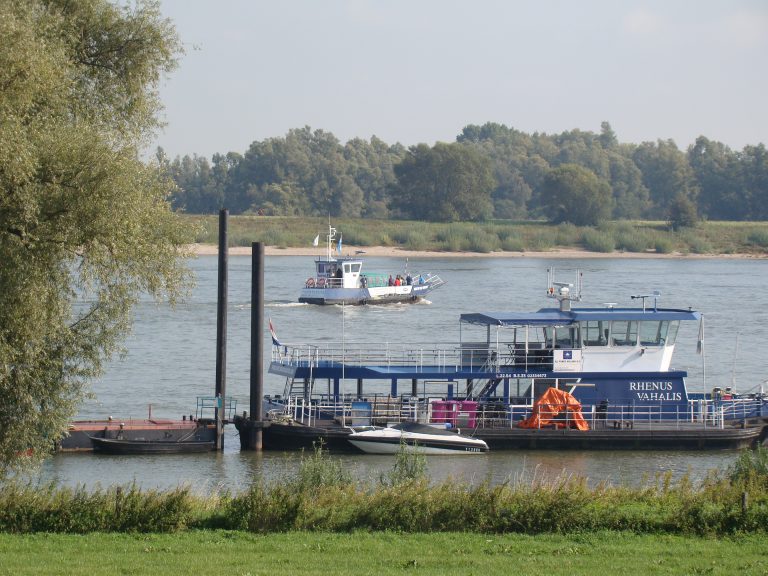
[[285, 304], [275, 304]]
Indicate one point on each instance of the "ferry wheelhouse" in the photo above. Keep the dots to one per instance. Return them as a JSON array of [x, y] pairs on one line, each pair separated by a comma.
[[614, 363], [341, 280]]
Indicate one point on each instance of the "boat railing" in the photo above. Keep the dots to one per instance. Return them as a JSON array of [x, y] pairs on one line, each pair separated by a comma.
[[207, 406], [381, 410], [421, 358]]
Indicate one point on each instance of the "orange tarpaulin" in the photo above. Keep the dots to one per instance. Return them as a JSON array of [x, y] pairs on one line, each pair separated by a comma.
[[549, 406]]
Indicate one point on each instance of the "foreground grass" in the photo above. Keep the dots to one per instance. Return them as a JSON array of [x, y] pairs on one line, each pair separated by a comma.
[[625, 236], [380, 554]]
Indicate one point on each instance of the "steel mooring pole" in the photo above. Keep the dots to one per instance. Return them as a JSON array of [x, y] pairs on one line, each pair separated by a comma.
[[257, 346], [221, 332]]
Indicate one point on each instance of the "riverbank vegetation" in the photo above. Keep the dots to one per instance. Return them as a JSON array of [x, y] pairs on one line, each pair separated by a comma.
[[321, 496], [489, 171], [628, 236]]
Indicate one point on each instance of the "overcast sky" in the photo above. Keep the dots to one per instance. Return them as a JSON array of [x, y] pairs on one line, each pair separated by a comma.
[[414, 71]]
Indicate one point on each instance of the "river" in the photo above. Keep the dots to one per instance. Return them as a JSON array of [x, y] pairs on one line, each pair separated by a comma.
[[169, 358]]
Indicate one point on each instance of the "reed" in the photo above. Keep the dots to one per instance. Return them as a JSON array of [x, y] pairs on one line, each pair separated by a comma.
[[320, 495], [28, 508]]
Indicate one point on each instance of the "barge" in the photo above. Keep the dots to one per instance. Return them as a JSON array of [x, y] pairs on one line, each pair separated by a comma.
[[614, 363], [82, 435]]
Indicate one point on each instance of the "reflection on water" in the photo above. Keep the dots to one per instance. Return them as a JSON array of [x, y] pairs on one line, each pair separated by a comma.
[[235, 470], [171, 359]]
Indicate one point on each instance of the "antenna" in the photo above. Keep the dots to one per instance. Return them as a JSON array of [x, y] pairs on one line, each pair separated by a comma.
[[655, 295]]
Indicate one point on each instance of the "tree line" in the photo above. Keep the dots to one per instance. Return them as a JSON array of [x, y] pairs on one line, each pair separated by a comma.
[[490, 172]]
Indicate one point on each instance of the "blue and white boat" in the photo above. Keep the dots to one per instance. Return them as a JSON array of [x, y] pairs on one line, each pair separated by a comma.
[[614, 362], [342, 280]]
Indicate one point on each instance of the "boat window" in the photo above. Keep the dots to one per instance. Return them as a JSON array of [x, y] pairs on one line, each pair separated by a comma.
[[623, 333], [347, 268], [672, 332], [653, 333], [355, 268], [567, 337], [595, 333], [321, 270]]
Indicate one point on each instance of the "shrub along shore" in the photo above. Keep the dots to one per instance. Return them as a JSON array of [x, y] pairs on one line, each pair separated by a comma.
[[321, 496], [623, 237]]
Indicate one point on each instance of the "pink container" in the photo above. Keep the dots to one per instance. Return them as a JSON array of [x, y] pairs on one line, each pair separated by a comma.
[[445, 411], [466, 414]]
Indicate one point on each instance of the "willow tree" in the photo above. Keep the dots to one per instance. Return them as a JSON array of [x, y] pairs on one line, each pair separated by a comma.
[[85, 225]]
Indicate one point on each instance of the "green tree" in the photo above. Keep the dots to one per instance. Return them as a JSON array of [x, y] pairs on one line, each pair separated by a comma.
[[446, 183], [718, 174], [682, 213], [85, 226], [666, 173], [576, 195]]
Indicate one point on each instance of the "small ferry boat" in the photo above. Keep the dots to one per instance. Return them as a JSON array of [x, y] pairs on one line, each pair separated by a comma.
[[415, 438], [341, 280], [612, 364]]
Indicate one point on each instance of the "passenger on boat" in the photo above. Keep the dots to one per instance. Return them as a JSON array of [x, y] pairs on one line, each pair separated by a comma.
[[408, 280], [398, 282], [390, 282]]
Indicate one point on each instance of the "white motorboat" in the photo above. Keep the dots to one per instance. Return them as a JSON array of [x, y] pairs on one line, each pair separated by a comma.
[[341, 280], [416, 438]]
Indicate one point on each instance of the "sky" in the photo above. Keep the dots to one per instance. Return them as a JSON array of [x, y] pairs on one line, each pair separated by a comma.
[[418, 71]]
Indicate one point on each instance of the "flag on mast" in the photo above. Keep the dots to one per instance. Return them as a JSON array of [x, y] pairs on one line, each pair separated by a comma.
[[316, 241], [275, 341], [700, 343], [338, 246]]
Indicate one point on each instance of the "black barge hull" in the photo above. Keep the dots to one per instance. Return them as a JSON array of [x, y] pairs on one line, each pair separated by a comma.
[[294, 436]]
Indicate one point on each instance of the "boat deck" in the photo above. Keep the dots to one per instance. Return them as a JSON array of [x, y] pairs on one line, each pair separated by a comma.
[[80, 432]]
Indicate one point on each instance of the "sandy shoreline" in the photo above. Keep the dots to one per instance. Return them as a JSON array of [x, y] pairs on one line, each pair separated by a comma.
[[212, 249]]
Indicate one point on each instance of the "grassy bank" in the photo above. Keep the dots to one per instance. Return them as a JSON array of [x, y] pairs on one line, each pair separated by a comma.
[[640, 237], [321, 496], [380, 554]]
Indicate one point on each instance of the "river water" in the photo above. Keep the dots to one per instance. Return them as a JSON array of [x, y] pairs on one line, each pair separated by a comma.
[[170, 358]]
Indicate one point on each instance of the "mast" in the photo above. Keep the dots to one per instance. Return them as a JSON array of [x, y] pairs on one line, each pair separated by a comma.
[[330, 238]]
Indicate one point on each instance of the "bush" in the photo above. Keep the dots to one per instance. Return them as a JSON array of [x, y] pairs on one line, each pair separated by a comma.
[[664, 246], [597, 241], [633, 241], [484, 241], [751, 468], [758, 238], [408, 467]]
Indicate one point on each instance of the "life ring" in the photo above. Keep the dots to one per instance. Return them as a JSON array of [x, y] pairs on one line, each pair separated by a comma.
[[310, 283]]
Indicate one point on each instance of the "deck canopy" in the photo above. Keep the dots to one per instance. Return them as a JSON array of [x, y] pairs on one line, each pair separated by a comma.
[[556, 317]]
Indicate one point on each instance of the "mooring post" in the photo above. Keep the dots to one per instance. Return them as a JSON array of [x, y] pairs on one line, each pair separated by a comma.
[[257, 347], [221, 332]]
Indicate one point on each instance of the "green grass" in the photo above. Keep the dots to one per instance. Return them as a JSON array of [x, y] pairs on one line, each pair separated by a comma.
[[380, 554], [488, 237]]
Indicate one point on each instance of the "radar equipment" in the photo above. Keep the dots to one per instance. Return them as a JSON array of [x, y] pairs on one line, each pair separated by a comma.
[[564, 292]]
